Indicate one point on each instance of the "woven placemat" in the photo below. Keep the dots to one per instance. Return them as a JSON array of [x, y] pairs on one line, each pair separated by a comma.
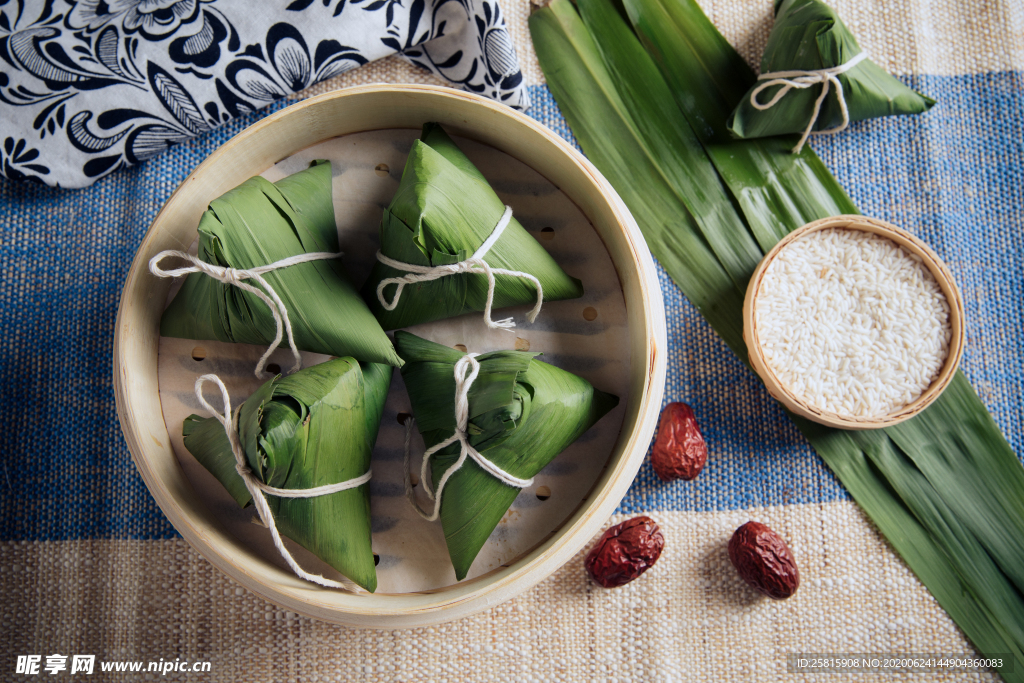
[[89, 565]]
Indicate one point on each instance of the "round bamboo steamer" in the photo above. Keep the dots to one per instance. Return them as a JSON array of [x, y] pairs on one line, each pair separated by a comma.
[[278, 136], [910, 243]]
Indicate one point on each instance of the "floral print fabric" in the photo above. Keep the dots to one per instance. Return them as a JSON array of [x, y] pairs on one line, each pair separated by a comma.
[[91, 86]]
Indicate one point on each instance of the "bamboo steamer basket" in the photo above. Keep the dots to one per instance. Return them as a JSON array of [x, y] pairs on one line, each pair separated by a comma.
[[343, 112], [935, 266]]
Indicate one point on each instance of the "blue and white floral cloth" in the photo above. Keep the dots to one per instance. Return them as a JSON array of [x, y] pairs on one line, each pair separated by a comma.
[[91, 86]]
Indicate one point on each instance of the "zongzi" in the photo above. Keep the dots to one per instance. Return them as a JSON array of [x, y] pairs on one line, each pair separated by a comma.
[[810, 54], [311, 429], [260, 223], [450, 246], [518, 415]]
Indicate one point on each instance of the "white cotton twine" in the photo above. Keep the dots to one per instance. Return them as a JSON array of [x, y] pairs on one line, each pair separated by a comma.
[[805, 79], [235, 276], [466, 370], [257, 489], [474, 264]]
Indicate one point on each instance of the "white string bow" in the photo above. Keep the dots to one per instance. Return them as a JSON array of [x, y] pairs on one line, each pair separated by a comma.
[[257, 489], [474, 264], [805, 79], [235, 276], [466, 370]]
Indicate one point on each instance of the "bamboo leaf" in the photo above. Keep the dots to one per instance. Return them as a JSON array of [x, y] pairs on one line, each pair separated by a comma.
[[916, 544], [259, 223], [588, 99], [979, 573], [668, 140], [312, 428], [975, 467], [443, 211], [522, 414], [208, 443]]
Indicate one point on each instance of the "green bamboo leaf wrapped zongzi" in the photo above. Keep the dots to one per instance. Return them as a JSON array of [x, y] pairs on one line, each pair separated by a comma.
[[814, 77], [314, 428], [444, 213], [521, 414], [260, 223]]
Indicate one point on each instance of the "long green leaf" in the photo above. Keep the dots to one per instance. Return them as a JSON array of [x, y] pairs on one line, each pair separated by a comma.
[[917, 545], [675, 150], [953, 543], [975, 466], [980, 574], [590, 102]]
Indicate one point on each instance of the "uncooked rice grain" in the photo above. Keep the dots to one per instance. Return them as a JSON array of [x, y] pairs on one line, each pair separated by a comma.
[[851, 323]]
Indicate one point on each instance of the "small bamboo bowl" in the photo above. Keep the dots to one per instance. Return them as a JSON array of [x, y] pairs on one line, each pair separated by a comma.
[[935, 266], [366, 108]]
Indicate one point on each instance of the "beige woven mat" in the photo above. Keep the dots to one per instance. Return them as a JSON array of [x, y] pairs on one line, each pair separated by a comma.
[[689, 619]]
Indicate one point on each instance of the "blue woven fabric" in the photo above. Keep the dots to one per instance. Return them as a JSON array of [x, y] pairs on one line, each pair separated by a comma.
[[955, 176]]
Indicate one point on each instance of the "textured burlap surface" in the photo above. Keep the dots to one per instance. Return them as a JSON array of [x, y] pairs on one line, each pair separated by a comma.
[[89, 565]]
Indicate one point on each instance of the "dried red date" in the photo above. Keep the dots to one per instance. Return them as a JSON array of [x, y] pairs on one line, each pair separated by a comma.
[[764, 560], [679, 451], [625, 552]]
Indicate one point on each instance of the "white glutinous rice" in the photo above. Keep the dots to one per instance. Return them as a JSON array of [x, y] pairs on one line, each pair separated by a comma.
[[851, 323]]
